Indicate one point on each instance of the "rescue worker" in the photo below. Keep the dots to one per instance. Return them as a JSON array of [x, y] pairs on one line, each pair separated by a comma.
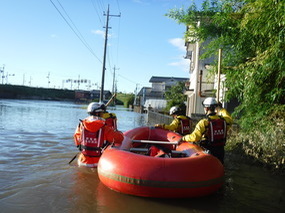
[[211, 131], [225, 114], [181, 124], [94, 134], [110, 117]]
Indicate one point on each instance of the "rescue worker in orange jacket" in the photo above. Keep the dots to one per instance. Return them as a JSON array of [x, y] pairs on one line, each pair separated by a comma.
[[181, 124], [93, 134], [210, 132]]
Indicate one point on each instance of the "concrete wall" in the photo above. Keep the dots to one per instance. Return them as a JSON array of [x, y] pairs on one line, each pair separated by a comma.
[[158, 118]]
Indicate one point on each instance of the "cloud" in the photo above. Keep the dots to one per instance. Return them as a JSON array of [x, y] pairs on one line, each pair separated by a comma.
[[98, 32], [178, 42], [182, 63], [140, 2]]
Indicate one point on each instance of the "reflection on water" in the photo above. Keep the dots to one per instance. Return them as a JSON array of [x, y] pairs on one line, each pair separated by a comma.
[[36, 145]]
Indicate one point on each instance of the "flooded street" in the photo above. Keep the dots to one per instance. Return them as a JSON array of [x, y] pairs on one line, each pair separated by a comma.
[[37, 144]]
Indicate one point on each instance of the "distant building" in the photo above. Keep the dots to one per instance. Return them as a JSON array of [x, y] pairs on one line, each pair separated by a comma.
[[93, 95], [154, 97]]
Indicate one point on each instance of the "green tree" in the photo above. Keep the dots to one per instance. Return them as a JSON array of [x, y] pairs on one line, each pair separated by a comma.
[[125, 99], [252, 36], [175, 96]]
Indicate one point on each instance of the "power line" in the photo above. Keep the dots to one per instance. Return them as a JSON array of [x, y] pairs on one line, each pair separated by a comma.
[[99, 17], [78, 34], [118, 6], [101, 4], [127, 79], [118, 44]]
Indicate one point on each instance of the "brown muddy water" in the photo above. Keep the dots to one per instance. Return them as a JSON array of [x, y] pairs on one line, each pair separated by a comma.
[[36, 145]]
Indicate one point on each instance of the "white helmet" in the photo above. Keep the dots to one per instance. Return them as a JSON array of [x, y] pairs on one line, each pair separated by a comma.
[[95, 107], [174, 110], [210, 102]]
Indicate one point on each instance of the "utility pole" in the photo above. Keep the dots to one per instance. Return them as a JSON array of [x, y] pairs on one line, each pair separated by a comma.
[[219, 74], [114, 79], [114, 89], [78, 82], [3, 75], [24, 79], [136, 92], [48, 77], [105, 51]]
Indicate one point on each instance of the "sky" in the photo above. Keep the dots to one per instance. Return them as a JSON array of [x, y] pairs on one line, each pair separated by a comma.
[[55, 43]]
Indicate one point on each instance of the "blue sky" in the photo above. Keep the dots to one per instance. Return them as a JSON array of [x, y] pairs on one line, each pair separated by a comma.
[[39, 49]]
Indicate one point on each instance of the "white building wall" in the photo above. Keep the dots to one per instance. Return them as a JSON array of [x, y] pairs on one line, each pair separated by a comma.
[[199, 88], [155, 104]]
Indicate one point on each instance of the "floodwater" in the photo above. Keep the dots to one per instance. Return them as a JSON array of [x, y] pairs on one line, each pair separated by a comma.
[[36, 145]]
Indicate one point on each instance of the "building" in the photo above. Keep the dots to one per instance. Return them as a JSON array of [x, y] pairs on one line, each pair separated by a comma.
[[93, 95], [202, 84], [154, 97]]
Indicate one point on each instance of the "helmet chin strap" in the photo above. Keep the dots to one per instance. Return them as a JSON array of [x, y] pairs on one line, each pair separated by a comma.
[[207, 110]]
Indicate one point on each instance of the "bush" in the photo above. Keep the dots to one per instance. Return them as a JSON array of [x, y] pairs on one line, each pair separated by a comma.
[[264, 142]]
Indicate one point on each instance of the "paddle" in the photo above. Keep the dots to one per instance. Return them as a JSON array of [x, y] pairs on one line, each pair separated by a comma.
[[73, 158], [111, 99], [155, 142]]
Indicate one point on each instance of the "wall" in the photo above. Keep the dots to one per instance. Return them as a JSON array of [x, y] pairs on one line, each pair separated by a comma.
[[158, 118]]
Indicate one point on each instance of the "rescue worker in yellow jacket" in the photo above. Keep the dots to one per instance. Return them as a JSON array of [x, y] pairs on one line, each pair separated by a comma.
[[210, 132], [181, 124], [225, 114], [94, 134], [110, 117]]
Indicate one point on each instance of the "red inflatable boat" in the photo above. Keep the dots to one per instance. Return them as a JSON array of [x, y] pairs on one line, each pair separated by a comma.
[[149, 163]]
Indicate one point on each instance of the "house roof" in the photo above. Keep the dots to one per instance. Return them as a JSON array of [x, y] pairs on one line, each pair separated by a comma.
[[166, 79]]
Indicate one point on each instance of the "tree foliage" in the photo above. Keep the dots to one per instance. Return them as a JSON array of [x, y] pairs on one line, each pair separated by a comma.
[[252, 36], [175, 96], [125, 99]]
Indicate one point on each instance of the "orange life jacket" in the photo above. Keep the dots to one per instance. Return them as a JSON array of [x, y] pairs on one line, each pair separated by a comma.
[[91, 140]]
